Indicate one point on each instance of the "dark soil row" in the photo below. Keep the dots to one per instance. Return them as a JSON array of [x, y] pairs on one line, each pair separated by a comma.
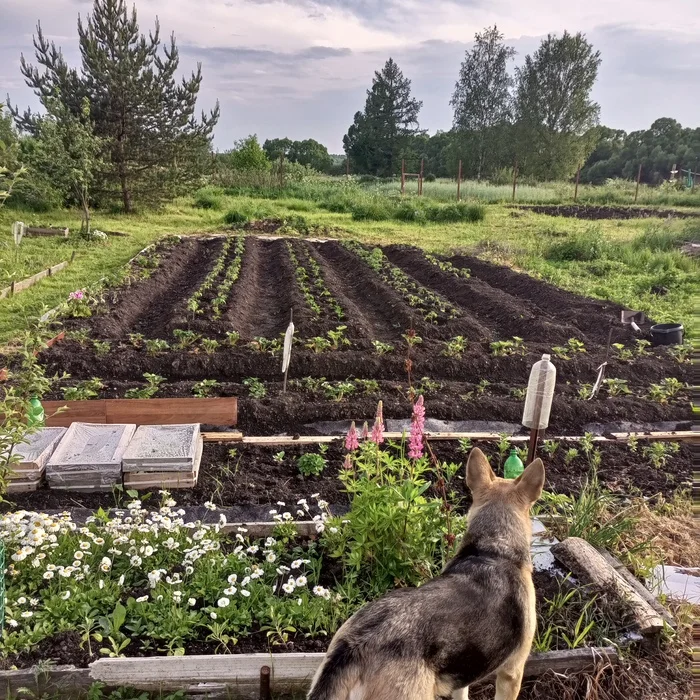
[[243, 476], [594, 212]]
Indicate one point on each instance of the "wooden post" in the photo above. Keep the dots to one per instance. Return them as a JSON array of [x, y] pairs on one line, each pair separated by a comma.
[[265, 683], [403, 176], [515, 177], [578, 177], [420, 178], [459, 181], [532, 447], [72, 257], [12, 288], [639, 177]]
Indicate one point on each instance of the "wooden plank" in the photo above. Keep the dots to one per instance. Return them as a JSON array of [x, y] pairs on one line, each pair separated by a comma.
[[31, 281], [51, 231], [213, 411], [583, 560], [61, 681], [318, 439], [92, 411]]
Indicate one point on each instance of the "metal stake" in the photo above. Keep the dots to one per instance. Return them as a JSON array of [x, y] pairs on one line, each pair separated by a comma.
[[265, 683]]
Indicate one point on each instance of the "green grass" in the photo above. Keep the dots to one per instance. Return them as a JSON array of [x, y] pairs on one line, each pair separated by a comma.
[[617, 260]]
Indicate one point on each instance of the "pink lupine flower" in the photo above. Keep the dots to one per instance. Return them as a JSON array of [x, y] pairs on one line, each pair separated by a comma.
[[77, 295], [365, 431], [351, 441], [415, 444], [377, 436], [347, 464]]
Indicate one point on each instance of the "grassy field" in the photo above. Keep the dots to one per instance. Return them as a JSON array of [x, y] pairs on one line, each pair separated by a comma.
[[618, 260]]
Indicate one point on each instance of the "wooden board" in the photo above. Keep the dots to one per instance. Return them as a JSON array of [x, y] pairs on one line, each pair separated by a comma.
[[212, 411], [53, 231], [31, 281]]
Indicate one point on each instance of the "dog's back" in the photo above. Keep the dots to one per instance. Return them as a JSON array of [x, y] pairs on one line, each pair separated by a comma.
[[475, 618]]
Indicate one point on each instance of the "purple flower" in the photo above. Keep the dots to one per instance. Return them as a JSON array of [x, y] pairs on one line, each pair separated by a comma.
[[77, 295], [351, 441], [377, 436], [415, 444]]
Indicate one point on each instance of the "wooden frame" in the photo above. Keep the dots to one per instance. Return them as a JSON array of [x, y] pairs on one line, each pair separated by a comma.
[[210, 411], [31, 281]]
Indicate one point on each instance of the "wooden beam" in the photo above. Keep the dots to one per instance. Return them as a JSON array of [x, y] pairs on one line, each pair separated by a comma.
[[50, 231], [228, 436], [585, 562], [211, 411], [31, 281], [236, 675]]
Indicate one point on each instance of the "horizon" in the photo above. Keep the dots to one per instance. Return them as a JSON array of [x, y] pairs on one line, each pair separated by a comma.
[[300, 69]]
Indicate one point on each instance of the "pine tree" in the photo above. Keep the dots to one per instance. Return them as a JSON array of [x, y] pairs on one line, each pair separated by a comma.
[[482, 98], [155, 146], [554, 108], [378, 135]]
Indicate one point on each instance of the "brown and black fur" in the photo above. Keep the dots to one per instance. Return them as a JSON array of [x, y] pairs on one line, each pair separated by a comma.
[[476, 618]]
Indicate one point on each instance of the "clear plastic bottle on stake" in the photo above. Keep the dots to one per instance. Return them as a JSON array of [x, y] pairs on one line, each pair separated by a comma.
[[538, 401]]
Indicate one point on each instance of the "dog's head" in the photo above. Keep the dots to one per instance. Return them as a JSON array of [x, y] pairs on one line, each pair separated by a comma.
[[517, 494]]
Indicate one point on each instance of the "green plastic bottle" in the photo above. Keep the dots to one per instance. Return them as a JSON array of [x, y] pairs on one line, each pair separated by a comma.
[[514, 466], [36, 415]]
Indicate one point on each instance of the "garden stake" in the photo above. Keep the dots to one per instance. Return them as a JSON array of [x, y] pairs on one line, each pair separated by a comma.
[[538, 401], [601, 369], [287, 352], [459, 180], [265, 683]]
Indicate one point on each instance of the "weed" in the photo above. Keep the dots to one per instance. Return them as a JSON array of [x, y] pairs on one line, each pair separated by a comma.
[[428, 386], [255, 387], [570, 455], [465, 445], [234, 217], [583, 391], [278, 457], [102, 347], [550, 447], [311, 464], [633, 443], [658, 452]]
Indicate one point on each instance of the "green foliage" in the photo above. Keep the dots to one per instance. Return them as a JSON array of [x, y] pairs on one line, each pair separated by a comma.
[[659, 452], [153, 382], [583, 246], [255, 387], [617, 387], [311, 464], [382, 348], [247, 154], [185, 338], [235, 217], [455, 346], [503, 348], [87, 389], [209, 198], [204, 388], [572, 347], [156, 346], [667, 389]]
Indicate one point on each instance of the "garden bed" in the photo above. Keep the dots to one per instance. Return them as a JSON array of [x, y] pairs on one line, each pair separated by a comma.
[[594, 212], [205, 318]]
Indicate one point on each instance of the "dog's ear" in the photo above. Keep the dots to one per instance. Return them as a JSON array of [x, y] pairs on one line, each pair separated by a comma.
[[479, 473], [531, 482]]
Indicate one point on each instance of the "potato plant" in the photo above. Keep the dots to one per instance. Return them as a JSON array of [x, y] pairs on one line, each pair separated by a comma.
[[447, 266]]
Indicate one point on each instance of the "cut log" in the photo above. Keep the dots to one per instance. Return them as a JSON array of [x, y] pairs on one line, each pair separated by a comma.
[[583, 560]]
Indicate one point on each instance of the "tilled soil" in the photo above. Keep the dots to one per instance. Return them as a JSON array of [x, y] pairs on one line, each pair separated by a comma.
[[258, 478], [595, 212]]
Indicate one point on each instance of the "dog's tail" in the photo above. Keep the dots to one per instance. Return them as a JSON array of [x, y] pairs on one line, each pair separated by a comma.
[[337, 675]]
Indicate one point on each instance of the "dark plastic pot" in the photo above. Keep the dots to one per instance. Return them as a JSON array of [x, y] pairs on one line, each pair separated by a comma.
[[667, 334]]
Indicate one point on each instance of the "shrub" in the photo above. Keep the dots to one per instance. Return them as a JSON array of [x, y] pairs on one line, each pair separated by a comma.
[[311, 464], [371, 211], [430, 177], [586, 246], [407, 211], [208, 198], [459, 211], [337, 204], [234, 217]]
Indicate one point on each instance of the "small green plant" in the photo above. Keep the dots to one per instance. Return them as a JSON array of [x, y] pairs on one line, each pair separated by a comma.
[[455, 346], [102, 347], [210, 345], [310, 464], [318, 344], [337, 337], [570, 455], [87, 389], [204, 388], [269, 345], [382, 348], [666, 390], [412, 339], [617, 387], [586, 443], [153, 382], [583, 391], [622, 353], [337, 391], [641, 347], [255, 387], [550, 447], [573, 346], [112, 631], [503, 348], [465, 445], [156, 346], [232, 338], [518, 393], [278, 457], [633, 443], [367, 386], [136, 339], [185, 338], [658, 452], [427, 386], [682, 353], [479, 390], [503, 446]]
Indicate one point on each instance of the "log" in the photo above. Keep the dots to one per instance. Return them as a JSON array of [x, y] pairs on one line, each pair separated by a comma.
[[584, 561], [235, 676]]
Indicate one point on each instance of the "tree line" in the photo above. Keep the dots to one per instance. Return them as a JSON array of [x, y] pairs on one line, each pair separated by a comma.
[[541, 117]]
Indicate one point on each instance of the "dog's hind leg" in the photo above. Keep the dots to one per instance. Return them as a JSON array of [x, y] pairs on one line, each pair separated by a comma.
[[401, 682], [508, 681], [461, 694]]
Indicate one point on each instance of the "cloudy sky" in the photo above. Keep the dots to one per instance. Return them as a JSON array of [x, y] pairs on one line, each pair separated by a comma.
[[300, 68]]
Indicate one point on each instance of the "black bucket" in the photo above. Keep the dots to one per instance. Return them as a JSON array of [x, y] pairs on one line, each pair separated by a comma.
[[667, 334]]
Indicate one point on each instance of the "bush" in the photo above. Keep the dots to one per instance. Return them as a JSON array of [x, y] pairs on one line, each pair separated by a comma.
[[459, 211], [234, 217], [408, 211], [657, 237], [337, 204], [311, 464], [371, 211], [585, 246], [430, 177], [208, 198]]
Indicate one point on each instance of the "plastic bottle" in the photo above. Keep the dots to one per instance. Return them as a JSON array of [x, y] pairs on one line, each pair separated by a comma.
[[514, 466], [35, 415], [540, 390]]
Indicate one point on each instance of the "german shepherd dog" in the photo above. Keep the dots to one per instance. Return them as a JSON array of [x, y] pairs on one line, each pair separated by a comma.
[[474, 619]]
